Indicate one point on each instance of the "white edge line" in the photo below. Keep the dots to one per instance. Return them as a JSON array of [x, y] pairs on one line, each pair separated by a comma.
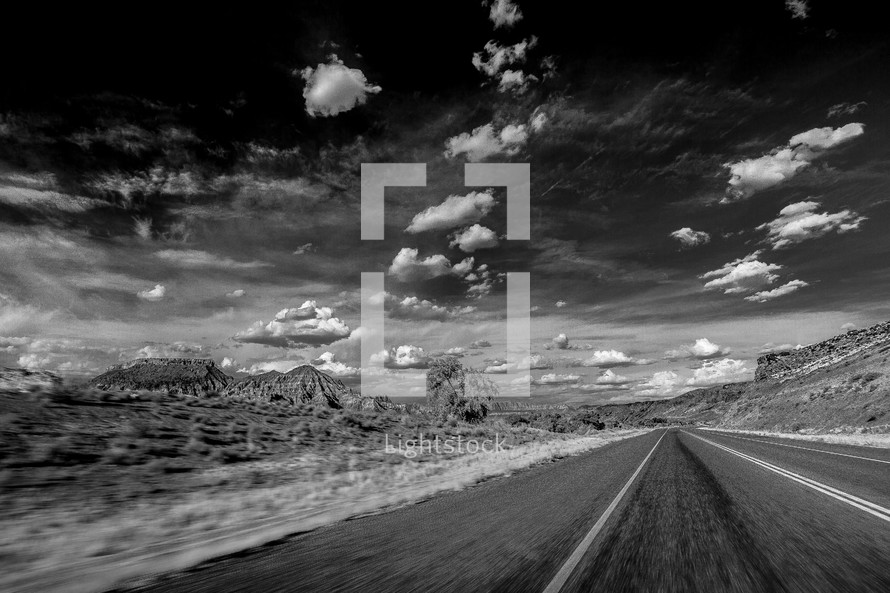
[[863, 505], [565, 572], [804, 478], [732, 436]]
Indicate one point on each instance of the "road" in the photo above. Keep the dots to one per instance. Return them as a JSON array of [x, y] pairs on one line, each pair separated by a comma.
[[673, 510]]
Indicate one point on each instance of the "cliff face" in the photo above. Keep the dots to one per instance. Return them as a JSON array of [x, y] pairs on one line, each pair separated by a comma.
[[782, 366], [304, 384], [23, 380], [842, 383], [186, 376]]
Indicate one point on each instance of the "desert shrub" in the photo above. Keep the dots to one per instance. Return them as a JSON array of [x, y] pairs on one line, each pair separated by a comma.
[[869, 377], [61, 395], [229, 455], [54, 452], [167, 467], [136, 428], [125, 451], [197, 446], [453, 392]]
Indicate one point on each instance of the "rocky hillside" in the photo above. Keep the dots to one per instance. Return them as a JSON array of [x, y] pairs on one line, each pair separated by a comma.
[[305, 384], [786, 365], [23, 380], [186, 376], [840, 384]]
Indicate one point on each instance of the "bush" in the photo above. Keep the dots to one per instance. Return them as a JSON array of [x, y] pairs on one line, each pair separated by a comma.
[[453, 392]]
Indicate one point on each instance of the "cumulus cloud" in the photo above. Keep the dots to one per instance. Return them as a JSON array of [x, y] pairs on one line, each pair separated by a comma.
[[701, 349], [661, 384], [799, 9], [515, 81], [34, 361], [333, 88], [327, 363], [282, 366], [752, 175], [609, 377], [236, 294], [495, 57], [533, 362], [193, 258], [561, 304], [848, 327], [474, 238], [155, 294], [716, 372], [481, 344], [503, 13], [800, 221], [63, 355], [771, 347], [307, 325], [11, 344], [825, 138], [413, 307], [768, 295], [742, 275], [602, 358], [749, 176], [556, 379], [561, 342], [690, 238], [403, 357], [228, 363], [484, 142], [406, 266], [455, 211]]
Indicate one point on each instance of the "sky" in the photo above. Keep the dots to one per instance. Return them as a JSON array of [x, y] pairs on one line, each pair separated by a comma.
[[709, 182]]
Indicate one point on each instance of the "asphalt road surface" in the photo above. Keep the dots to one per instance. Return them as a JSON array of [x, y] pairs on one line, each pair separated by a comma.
[[673, 510]]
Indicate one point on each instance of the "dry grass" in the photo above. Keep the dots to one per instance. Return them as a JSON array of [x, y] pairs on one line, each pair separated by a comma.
[[854, 436], [96, 489]]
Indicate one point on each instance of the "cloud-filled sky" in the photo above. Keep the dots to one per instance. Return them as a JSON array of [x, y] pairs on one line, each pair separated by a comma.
[[707, 183]]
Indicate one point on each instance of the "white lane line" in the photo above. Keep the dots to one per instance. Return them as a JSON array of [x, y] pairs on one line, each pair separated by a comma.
[[854, 501], [563, 575], [732, 436]]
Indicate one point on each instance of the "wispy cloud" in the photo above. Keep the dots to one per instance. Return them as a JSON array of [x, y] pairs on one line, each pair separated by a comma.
[[800, 221]]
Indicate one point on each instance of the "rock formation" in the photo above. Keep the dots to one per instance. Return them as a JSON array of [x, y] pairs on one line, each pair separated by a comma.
[[303, 384], [306, 384], [24, 381], [186, 376], [842, 383], [785, 365]]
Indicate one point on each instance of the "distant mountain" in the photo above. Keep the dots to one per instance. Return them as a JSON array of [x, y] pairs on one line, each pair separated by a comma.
[[305, 384], [843, 382], [24, 380], [186, 376]]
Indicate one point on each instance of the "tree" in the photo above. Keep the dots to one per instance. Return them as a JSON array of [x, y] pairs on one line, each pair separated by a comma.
[[455, 392]]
